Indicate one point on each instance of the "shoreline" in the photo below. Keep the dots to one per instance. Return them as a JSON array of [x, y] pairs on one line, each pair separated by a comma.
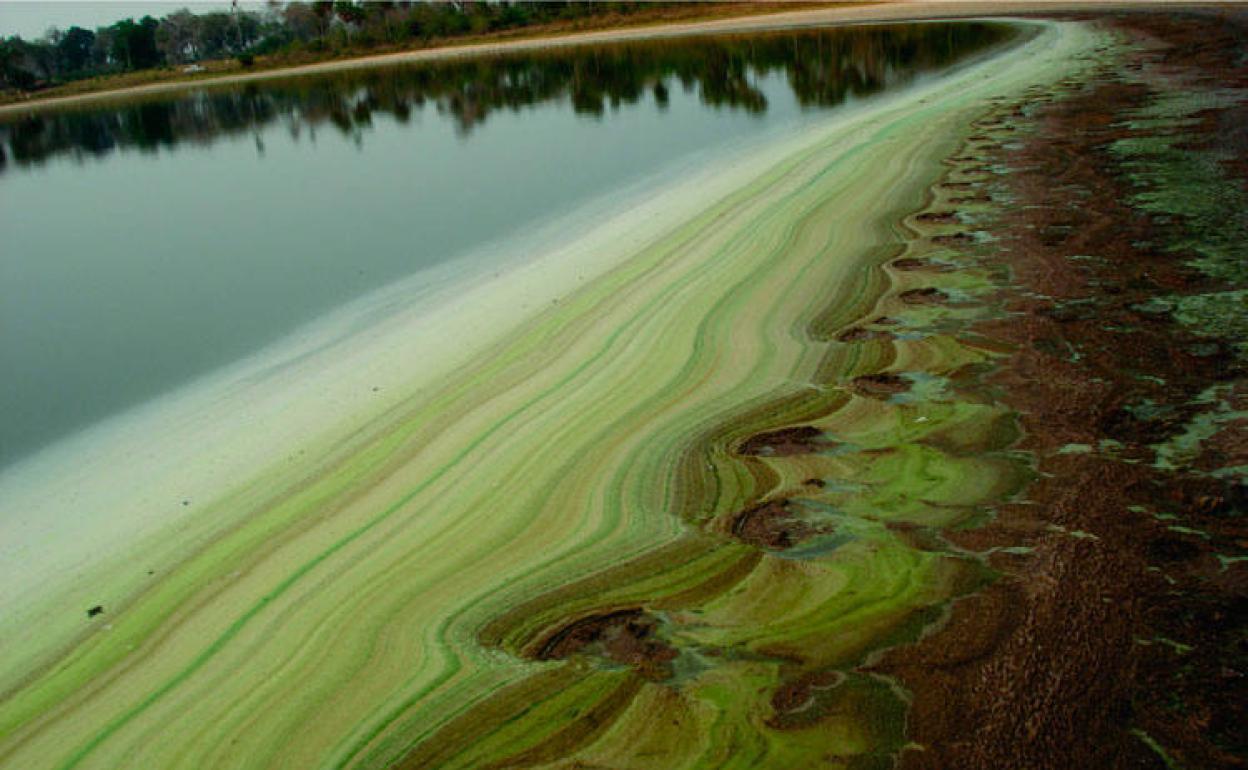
[[1112, 634], [870, 451], [519, 465], [866, 13]]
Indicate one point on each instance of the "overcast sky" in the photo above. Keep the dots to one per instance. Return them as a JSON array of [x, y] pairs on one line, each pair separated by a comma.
[[32, 18]]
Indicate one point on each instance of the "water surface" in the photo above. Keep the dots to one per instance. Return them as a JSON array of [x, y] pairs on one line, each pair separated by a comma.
[[150, 241]]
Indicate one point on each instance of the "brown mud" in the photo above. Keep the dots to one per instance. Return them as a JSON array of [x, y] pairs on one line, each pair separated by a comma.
[[774, 525], [1116, 635], [926, 296], [799, 440], [938, 217], [880, 385], [862, 334], [625, 637], [912, 263]]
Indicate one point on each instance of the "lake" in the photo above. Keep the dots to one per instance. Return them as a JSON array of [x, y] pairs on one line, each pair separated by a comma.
[[149, 242]]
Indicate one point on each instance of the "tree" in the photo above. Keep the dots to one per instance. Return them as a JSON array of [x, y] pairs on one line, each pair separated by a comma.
[[145, 52], [102, 52], [25, 65], [513, 15], [324, 10], [12, 73], [178, 37], [349, 12], [134, 44], [301, 20], [384, 20], [74, 49], [248, 28], [217, 34]]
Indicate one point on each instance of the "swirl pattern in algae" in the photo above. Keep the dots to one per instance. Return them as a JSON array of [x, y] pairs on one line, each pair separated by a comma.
[[662, 524]]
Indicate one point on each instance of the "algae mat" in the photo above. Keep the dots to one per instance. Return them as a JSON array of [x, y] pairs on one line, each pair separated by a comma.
[[565, 551]]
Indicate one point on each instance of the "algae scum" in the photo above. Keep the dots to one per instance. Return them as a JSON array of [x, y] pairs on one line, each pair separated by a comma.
[[690, 514]]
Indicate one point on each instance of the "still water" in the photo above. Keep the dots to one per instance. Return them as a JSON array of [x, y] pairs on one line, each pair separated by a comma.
[[143, 244]]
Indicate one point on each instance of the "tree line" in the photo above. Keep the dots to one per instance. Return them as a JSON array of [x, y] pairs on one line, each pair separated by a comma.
[[324, 27]]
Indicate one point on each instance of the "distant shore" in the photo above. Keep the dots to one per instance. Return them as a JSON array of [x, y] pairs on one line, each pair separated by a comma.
[[891, 10]]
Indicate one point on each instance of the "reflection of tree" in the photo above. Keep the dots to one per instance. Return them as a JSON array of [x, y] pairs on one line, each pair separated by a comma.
[[822, 67]]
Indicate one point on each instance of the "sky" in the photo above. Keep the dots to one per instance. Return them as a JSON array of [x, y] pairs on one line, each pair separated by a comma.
[[32, 18]]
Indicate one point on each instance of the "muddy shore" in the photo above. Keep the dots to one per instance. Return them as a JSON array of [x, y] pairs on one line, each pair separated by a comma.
[[1114, 636]]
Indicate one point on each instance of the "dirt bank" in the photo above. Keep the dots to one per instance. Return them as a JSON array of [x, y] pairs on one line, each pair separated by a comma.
[[1114, 637]]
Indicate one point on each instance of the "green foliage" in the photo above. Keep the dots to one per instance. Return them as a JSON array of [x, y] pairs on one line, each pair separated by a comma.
[[13, 73], [74, 49], [134, 44], [349, 12]]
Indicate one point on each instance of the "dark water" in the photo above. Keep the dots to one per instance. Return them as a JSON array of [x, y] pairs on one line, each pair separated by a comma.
[[147, 242]]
